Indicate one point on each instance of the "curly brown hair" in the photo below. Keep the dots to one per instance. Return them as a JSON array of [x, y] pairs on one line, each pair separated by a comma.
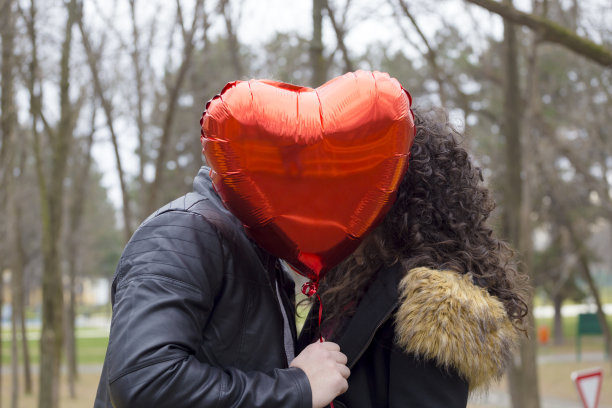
[[438, 221]]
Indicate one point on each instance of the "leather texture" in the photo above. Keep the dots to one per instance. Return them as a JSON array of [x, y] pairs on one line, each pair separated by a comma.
[[196, 318], [382, 373]]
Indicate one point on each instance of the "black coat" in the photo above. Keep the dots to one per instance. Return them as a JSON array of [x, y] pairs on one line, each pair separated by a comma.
[[420, 339], [196, 318]]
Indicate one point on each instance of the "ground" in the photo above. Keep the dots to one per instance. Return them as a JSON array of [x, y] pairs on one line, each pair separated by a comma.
[[556, 363]]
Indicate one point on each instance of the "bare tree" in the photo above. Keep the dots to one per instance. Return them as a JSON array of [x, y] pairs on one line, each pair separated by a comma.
[[431, 54], [1, 303], [14, 340], [75, 213], [232, 37], [138, 76], [21, 262], [18, 262], [340, 30], [522, 374], [8, 122], [51, 189], [188, 35], [93, 62], [575, 227], [7, 104]]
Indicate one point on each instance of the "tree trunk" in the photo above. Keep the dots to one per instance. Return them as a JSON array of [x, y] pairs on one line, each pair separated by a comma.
[[558, 320], [20, 295], [8, 122], [583, 263], [138, 74], [1, 307], [79, 197], [317, 60], [14, 341], [522, 375], [18, 262], [7, 103], [35, 107], [70, 342], [51, 341]]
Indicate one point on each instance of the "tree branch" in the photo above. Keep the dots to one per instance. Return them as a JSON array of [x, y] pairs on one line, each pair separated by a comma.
[[430, 55], [550, 32], [107, 107], [138, 74], [172, 102], [232, 37], [340, 32]]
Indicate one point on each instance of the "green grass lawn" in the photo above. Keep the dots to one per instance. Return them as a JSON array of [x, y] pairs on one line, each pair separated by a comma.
[[92, 343], [570, 324], [90, 350]]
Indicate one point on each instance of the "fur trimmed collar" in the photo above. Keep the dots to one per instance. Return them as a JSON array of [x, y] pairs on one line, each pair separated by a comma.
[[445, 317]]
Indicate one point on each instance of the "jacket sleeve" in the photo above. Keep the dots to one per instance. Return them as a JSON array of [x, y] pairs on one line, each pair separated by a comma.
[[416, 382], [164, 292]]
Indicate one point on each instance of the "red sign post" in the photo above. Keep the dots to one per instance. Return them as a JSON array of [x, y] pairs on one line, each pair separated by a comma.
[[588, 382]]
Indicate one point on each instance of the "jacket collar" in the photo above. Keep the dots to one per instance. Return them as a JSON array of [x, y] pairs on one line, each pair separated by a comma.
[[438, 315], [445, 317], [203, 185], [374, 309]]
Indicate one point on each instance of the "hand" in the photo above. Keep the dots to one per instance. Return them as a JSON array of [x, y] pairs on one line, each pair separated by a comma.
[[325, 367]]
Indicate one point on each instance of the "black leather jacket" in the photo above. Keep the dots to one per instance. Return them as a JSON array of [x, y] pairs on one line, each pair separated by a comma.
[[196, 318]]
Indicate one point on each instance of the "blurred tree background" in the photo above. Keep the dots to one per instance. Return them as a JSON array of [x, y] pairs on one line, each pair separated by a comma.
[[99, 110]]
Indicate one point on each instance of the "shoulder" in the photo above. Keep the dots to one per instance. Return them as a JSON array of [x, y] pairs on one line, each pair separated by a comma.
[[445, 317], [180, 241], [189, 218]]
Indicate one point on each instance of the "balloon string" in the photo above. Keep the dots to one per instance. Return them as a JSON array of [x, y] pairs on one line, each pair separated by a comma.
[[309, 289], [331, 404], [320, 315]]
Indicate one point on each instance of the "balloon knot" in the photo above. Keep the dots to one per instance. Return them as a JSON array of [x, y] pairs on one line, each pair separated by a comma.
[[310, 288]]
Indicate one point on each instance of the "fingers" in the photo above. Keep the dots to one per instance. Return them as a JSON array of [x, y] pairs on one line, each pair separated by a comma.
[[333, 349], [328, 345], [344, 371], [342, 385], [325, 366], [339, 357]]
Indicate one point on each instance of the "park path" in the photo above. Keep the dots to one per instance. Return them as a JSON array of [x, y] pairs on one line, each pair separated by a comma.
[[502, 400]]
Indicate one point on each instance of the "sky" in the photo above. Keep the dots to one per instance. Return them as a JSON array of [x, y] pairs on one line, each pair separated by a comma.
[[260, 19]]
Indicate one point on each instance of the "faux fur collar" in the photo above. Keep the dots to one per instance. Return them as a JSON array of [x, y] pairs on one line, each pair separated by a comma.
[[443, 316]]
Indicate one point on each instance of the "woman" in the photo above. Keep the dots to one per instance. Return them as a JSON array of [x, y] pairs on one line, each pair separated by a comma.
[[431, 306]]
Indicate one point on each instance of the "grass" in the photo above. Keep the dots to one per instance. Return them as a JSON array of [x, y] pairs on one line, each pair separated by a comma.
[[91, 344], [554, 377], [554, 381], [90, 350]]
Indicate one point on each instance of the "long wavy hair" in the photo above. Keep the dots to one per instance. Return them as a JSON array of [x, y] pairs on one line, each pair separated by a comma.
[[438, 221]]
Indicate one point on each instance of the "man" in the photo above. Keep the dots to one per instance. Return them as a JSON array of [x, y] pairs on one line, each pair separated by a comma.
[[202, 317]]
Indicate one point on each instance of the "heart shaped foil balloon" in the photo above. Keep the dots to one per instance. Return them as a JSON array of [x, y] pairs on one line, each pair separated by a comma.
[[309, 172]]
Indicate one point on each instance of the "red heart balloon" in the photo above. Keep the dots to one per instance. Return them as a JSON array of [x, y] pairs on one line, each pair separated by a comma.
[[309, 172]]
